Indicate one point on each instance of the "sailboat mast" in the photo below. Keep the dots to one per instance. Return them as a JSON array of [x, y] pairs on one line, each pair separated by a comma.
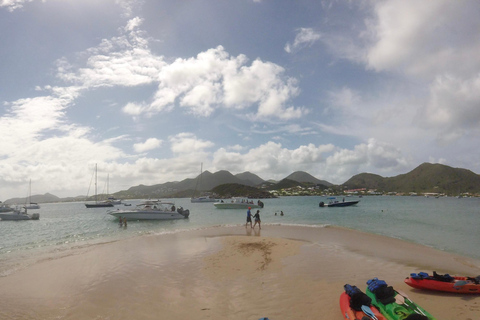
[[95, 183]]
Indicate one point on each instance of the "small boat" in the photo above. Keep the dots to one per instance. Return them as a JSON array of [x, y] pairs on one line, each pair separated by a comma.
[[201, 199], [335, 203], [238, 203], [352, 301], [30, 204], [392, 304], [152, 210], [445, 282], [8, 213], [114, 200], [98, 204]]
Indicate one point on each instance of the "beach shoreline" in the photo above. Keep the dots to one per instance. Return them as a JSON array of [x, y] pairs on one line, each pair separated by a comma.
[[280, 272]]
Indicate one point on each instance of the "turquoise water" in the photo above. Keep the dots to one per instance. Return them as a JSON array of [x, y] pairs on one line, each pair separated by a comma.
[[448, 224]]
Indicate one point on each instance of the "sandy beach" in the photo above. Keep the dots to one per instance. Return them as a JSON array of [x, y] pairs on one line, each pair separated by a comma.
[[279, 272]]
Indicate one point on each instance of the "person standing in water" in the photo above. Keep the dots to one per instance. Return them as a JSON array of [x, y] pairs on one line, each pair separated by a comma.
[[249, 218], [257, 220]]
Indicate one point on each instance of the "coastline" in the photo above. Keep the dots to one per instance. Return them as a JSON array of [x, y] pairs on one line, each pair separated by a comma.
[[280, 272]]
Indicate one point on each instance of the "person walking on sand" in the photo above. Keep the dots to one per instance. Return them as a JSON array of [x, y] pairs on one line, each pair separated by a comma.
[[257, 220], [249, 218]]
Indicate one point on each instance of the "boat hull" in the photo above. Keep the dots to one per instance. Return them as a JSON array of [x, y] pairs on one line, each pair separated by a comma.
[[226, 205], [98, 205], [17, 216], [351, 314], [339, 204], [469, 287], [202, 199], [33, 206], [397, 310], [150, 214]]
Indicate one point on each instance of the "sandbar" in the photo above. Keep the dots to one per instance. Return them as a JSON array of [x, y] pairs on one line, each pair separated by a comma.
[[279, 272]]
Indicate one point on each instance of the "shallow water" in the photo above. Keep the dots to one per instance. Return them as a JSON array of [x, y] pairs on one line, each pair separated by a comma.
[[448, 224]]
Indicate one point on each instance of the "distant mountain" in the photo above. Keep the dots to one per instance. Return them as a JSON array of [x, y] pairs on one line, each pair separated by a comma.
[[302, 176], [427, 177], [250, 179], [47, 197], [435, 178], [240, 190], [206, 181]]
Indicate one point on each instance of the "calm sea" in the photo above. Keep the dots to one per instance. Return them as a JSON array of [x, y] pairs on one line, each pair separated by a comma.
[[448, 224]]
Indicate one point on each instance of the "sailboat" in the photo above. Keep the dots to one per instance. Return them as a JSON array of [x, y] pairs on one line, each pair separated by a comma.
[[31, 205], [112, 199], [98, 204], [204, 198]]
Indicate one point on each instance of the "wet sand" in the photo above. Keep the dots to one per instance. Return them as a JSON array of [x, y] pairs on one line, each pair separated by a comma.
[[280, 272]]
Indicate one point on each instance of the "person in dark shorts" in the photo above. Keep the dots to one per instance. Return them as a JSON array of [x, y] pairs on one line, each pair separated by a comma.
[[249, 218], [257, 219]]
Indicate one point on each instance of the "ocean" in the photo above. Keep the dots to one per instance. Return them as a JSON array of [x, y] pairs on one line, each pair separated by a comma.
[[448, 224]]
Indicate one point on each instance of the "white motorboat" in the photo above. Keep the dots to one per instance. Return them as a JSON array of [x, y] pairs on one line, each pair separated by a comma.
[[114, 200], [5, 207], [8, 213], [152, 210], [238, 203], [203, 199]]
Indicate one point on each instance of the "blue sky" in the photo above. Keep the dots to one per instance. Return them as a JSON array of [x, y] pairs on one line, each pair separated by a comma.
[[149, 90]]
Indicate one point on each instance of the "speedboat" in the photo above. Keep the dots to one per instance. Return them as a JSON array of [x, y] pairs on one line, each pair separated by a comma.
[[152, 210], [99, 204], [32, 205], [114, 200], [238, 203], [335, 203], [203, 199]]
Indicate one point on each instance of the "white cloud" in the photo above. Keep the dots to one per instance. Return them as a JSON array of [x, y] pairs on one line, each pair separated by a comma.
[[453, 108], [12, 5], [425, 38], [187, 143], [305, 37], [120, 61], [215, 80], [149, 144]]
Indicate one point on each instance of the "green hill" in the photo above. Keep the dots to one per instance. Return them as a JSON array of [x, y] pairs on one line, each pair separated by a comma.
[[434, 178]]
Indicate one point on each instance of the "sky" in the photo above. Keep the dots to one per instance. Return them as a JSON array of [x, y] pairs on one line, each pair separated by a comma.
[[155, 91]]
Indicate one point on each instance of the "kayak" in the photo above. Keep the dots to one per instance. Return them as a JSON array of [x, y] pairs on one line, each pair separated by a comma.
[[392, 304], [444, 283], [352, 310]]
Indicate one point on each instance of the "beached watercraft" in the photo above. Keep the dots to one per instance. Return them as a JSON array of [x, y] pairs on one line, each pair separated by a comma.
[[394, 305], [352, 301], [444, 282]]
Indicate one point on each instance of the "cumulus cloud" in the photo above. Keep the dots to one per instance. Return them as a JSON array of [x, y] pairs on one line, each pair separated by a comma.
[[187, 143], [149, 144], [271, 158], [213, 80], [12, 5], [305, 37]]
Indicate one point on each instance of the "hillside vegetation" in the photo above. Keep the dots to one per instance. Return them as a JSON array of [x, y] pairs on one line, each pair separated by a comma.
[[426, 178]]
